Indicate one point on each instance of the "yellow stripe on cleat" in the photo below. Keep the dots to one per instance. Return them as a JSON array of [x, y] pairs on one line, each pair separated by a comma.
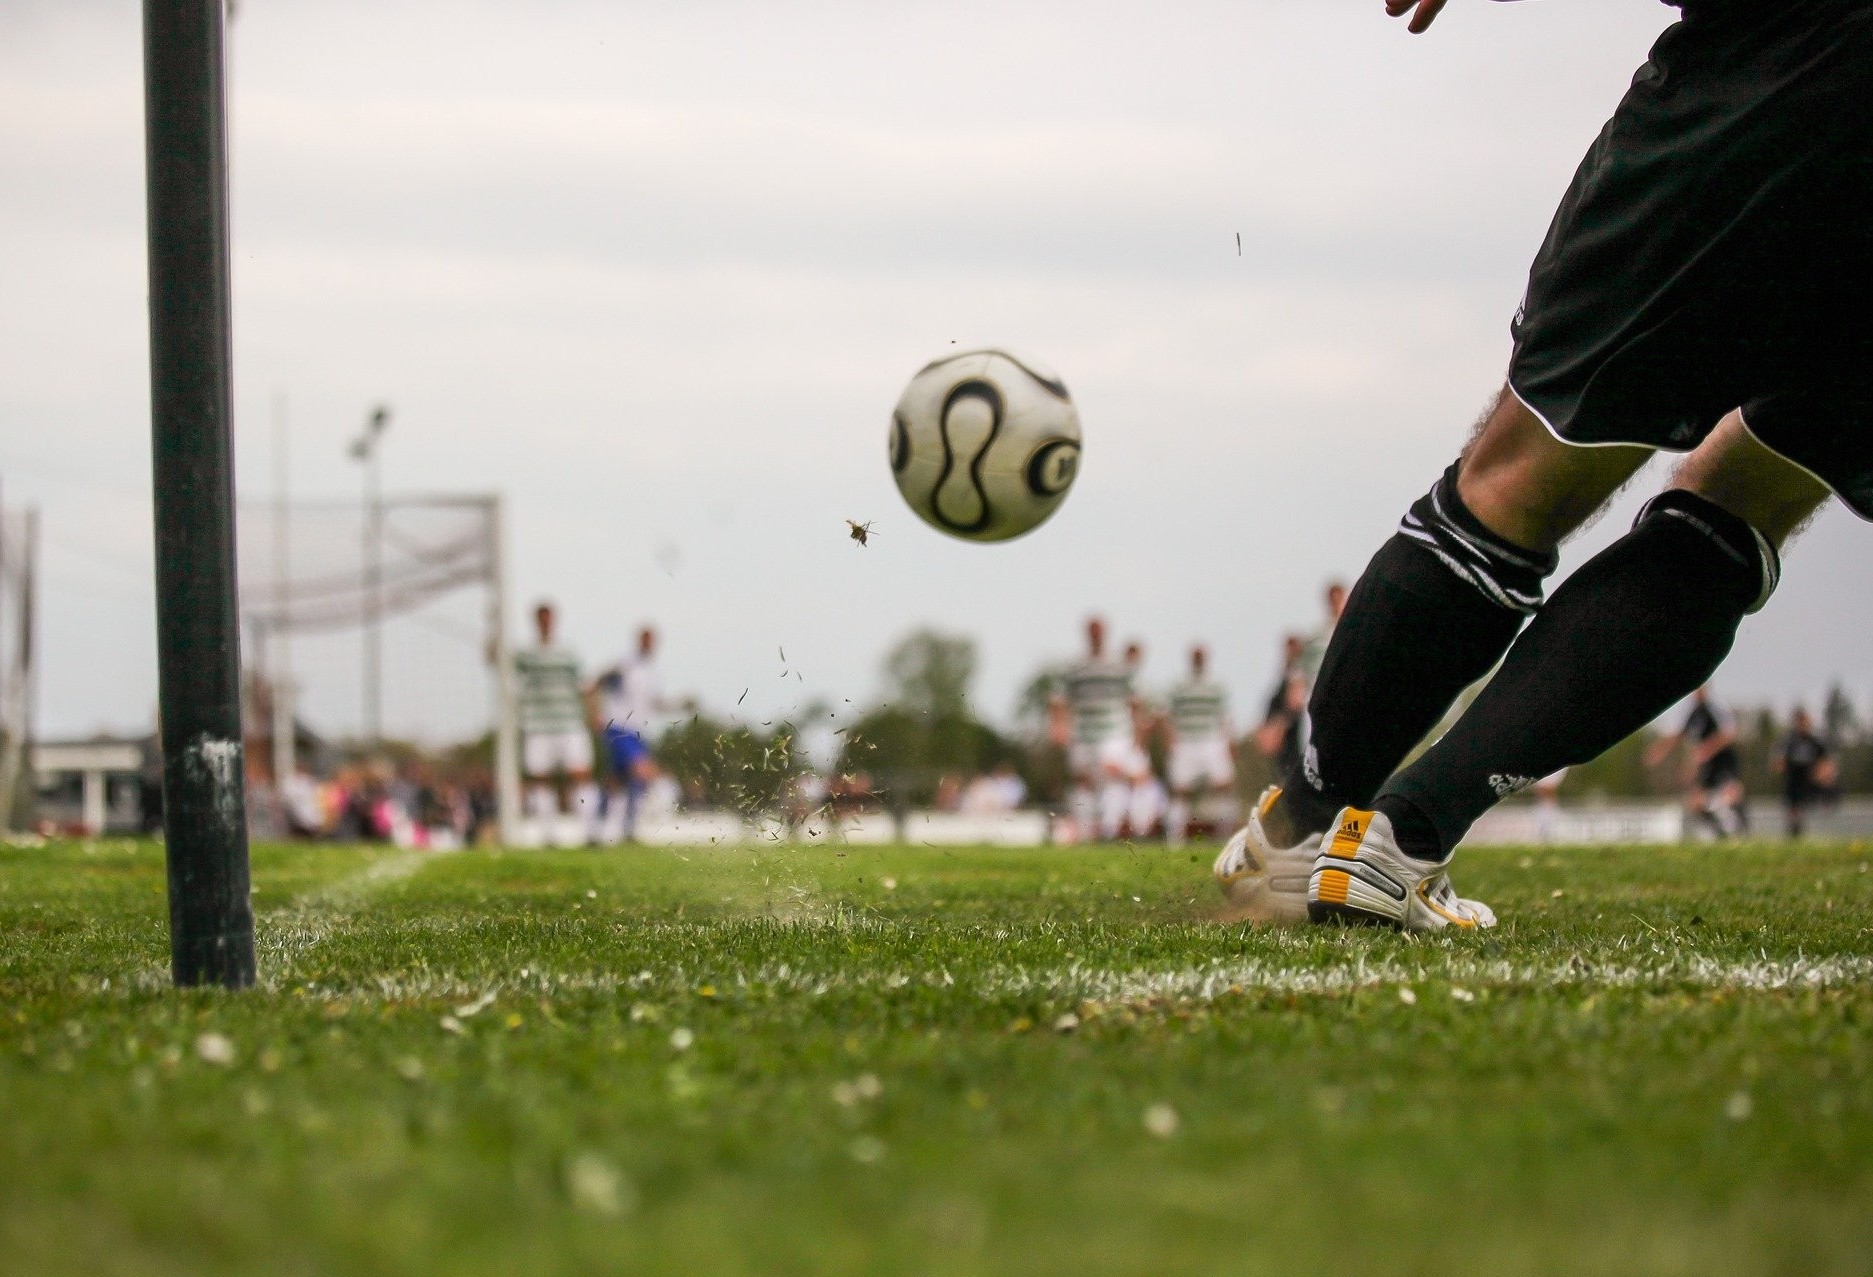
[[1352, 832], [1332, 887]]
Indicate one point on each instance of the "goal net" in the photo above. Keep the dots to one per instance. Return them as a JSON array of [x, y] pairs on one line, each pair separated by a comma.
[[378, 631]]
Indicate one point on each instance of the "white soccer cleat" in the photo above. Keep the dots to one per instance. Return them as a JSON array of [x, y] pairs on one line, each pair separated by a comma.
[[1265, 882], [1362, 876]]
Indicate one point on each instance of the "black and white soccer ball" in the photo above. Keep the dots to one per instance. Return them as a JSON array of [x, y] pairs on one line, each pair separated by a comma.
[[985, 445]]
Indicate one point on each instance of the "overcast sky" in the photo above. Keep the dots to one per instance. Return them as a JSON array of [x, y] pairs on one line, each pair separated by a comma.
[[657, 272]]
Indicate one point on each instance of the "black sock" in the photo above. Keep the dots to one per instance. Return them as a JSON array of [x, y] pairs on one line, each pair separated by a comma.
[[1642, 624], [1434, 610]]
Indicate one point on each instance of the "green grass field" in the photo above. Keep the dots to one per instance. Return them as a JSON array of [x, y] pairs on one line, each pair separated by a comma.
[[923, 1061]]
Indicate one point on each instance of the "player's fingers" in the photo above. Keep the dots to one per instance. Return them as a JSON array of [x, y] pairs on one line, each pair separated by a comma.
[[1425, 16], [1395, 7]]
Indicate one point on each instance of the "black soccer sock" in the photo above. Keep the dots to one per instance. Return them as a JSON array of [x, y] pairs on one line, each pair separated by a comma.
[[1434, 610], [1638, 627]]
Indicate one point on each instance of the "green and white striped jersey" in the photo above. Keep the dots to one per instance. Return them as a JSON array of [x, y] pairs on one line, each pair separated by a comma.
[[1099, 694], [1199, 710], [550, 696]]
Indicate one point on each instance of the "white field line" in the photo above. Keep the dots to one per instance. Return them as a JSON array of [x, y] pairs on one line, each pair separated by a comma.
[[1087, 983], [284, 935]]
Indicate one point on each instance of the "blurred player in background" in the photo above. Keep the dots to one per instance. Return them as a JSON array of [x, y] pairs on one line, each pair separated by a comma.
[[556, 747], [1807, 768], [1202, 747], [1142, 808], [1283, 730], [1092, 717], [1548, 805], [1702, 289], [1714, 770], [629, 698], [1314, 649]]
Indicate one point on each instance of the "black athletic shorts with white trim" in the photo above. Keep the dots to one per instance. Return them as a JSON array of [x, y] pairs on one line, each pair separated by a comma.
[[1715, 251]]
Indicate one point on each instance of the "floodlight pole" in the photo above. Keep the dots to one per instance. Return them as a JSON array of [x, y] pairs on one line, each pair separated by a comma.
[[211, 920], [281, 680], [364, 449]]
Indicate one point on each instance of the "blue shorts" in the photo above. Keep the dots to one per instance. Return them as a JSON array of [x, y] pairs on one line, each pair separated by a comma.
[[625, 746]]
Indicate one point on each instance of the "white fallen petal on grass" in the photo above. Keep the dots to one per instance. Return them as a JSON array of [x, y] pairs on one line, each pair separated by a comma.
[[1739, 1106], [595, 1186], [1162, 1121], [480, 1004], [681, 1039], [865, 1086], [215, 1048]]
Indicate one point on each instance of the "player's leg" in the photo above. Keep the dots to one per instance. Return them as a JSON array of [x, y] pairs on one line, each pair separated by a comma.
[[582, 796], [1636, 629], [1177, 817], [1439, 604], [1145, 804], [612, 823], [1182, 782], [1083, 791], [1112, 785], [538, 766], [1736, 806], [1224, 781], [1115, 797], [1703, 814], [643, 771]]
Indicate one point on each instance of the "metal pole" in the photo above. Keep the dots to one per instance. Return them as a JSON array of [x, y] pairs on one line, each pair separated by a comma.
[[211, 921], [374, 586]]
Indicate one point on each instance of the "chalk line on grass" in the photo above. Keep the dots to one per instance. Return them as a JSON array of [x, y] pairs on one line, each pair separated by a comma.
[[1077, 982], [283, 936]]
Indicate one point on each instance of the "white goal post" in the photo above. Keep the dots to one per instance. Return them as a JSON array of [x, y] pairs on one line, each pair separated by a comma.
[[328, 588], [19, 546]]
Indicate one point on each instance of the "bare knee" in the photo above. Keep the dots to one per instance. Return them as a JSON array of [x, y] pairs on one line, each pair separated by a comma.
[[1731, 469], [1530, 488]]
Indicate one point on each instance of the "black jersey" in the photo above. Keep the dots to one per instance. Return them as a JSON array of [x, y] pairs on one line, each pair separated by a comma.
[[1802, 754]]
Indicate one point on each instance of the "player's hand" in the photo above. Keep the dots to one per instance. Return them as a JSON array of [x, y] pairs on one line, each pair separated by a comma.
[[1423, 13]]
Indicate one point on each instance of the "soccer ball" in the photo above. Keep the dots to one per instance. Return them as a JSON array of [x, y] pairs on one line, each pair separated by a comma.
[[984, 445]]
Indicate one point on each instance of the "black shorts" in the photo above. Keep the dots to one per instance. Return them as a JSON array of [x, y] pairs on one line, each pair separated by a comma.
[[1722, 770], [1715, 250]]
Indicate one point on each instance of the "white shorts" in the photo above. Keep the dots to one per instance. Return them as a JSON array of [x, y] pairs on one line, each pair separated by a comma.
[[1201, 764], [1088, 761], [544, 753]]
